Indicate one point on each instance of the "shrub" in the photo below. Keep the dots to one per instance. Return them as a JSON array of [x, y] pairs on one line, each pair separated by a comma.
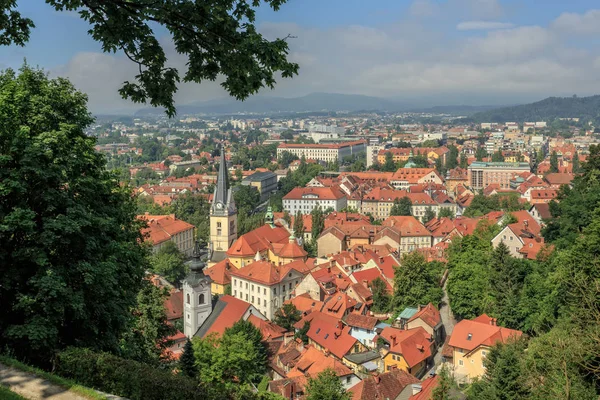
[[126, 378]]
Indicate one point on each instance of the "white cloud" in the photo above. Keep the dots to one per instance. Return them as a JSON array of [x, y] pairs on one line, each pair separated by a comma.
[[483, 25], [410, 58], [581, 24], [423, 8]]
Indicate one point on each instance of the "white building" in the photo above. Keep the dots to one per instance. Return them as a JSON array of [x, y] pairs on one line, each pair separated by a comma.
[[306, 199], [265, 285], [324, 152]]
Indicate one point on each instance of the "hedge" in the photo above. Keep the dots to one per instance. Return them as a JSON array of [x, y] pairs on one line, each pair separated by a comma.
[[126, 378]]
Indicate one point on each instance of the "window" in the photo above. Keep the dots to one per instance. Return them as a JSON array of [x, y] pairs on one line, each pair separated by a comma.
[[188, 298], [348, 379], [246, 296], [188, 316], [201, 299], [235, 293], [265, 291], [274, 290], [246, 285], [253, 288], [235, 282], [265, 302], [460, 362], [483, 353], [218, 224], [290, 285], [218, 231], [252, 299]]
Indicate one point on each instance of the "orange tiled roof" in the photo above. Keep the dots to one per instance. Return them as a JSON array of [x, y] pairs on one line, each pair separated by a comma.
[[481, 331], [263, 272], [412, 344], [258, 240], [233, 312], [408, 225], [268, 329], [162, 228], [219, 273], [326, 193], [361, 321], [333, 337], [428, 314], [388, 385]]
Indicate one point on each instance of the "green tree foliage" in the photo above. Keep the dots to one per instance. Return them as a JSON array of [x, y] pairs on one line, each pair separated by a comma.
[[444, 385], [287, 218], [381, 297], [187, 361], [401, 207], [302, 333], [416, 281], [553, 162], [498, 156], [481, 205], [428, 216], [146, 340], [194, 209], [431, 143], [506, 279], [248, 222], [574, 208], [298, 225], [70, 252], [318, 222], [576, 165], [326, 385], [287, 316], [389, 165], [218, 39], [246, 198], [463, 163], [169, 262], [451, 157], [480, 153], [358, 165], [286, 158], [446, 212], [237, 358]]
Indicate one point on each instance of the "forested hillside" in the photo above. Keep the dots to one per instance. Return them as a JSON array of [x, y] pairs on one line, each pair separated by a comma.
[[587, 108]]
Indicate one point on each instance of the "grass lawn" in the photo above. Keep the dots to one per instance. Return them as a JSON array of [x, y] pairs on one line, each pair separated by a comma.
[[6, 394]]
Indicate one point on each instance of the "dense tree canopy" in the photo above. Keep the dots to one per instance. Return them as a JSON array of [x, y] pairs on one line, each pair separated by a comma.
[[217, 39], [326, 385], [416, 281], [401, 207], [169, 262], [71, 263]]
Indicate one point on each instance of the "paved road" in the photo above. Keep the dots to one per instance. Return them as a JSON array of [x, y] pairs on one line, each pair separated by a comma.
[[448, 321], [34, 388]]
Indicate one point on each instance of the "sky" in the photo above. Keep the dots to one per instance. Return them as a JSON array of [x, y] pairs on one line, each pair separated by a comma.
[[430, 52]]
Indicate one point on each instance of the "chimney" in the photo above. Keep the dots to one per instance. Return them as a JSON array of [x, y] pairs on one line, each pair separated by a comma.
[[416, 388], [525, 223], [331, 263], [340, 325], [377, 378]]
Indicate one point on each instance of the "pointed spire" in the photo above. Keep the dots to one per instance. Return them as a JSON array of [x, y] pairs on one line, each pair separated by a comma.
[[222, 180]]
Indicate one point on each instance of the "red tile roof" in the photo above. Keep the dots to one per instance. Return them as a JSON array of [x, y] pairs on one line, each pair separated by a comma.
[[162, 228], [219, 273], [333, 337], [428, 314], [268, 329], [258, 240], [263, 272], [174, 305], [412, 344], [361, 321], [327, 193], [233, 312], [305, 303], [427, 387], [482, 331], [312, 362], [408, 226], [385, 386]]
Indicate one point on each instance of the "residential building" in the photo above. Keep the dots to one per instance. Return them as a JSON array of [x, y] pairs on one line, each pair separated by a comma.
[[394, 384], [166, 228], [363, 328], [522, 237], [324, 152], [264, 182], [413, 234], [306, 199], [372, 152], [265, 285], [406, 177], [482, 174], [471, 341], [428, 318], [333, 337], [408, 350]]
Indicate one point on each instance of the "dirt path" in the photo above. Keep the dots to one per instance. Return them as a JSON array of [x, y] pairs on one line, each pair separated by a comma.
[[33, 388]]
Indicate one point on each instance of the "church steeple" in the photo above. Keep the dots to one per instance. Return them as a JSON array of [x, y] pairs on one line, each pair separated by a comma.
[[223, 203], [223, 214]]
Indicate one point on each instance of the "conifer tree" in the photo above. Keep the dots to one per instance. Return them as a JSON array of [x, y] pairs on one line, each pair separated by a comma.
[[187, 362]]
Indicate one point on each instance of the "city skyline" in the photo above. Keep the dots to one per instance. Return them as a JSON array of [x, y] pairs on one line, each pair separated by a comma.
[[440, 52]]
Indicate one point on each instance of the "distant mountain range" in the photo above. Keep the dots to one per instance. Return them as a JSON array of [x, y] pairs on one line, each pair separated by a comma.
[[314, 102], [548, 109]]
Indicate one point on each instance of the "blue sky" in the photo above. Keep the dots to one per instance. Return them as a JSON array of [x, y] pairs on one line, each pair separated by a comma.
[[427, 51]]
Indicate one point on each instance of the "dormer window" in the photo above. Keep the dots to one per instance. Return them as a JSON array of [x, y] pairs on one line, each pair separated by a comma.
[[469, 336]]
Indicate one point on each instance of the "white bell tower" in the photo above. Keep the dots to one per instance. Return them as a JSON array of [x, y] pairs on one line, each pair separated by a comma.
[[197, 300]]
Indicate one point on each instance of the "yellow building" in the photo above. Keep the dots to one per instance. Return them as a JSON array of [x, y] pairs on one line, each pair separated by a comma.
[[398, 350], [471, 341]]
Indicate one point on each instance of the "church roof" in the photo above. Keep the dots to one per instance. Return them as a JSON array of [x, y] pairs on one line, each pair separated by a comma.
[[222, 180], [259, 239]]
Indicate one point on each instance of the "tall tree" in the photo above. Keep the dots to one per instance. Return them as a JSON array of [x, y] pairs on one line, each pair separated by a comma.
[[480, 153], [576, 166], [146, 339], [381, 296], [401, 207], [326, 385], [287, 316], [298, 225], [389, 165], [428, 216], [498, 156], [506, 281], [169, 262], [217, 39], [463, 161], [318, 222], [187, 361], [553, 162], [70, 252], [444, 385], [452, 157], [416, 281]]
